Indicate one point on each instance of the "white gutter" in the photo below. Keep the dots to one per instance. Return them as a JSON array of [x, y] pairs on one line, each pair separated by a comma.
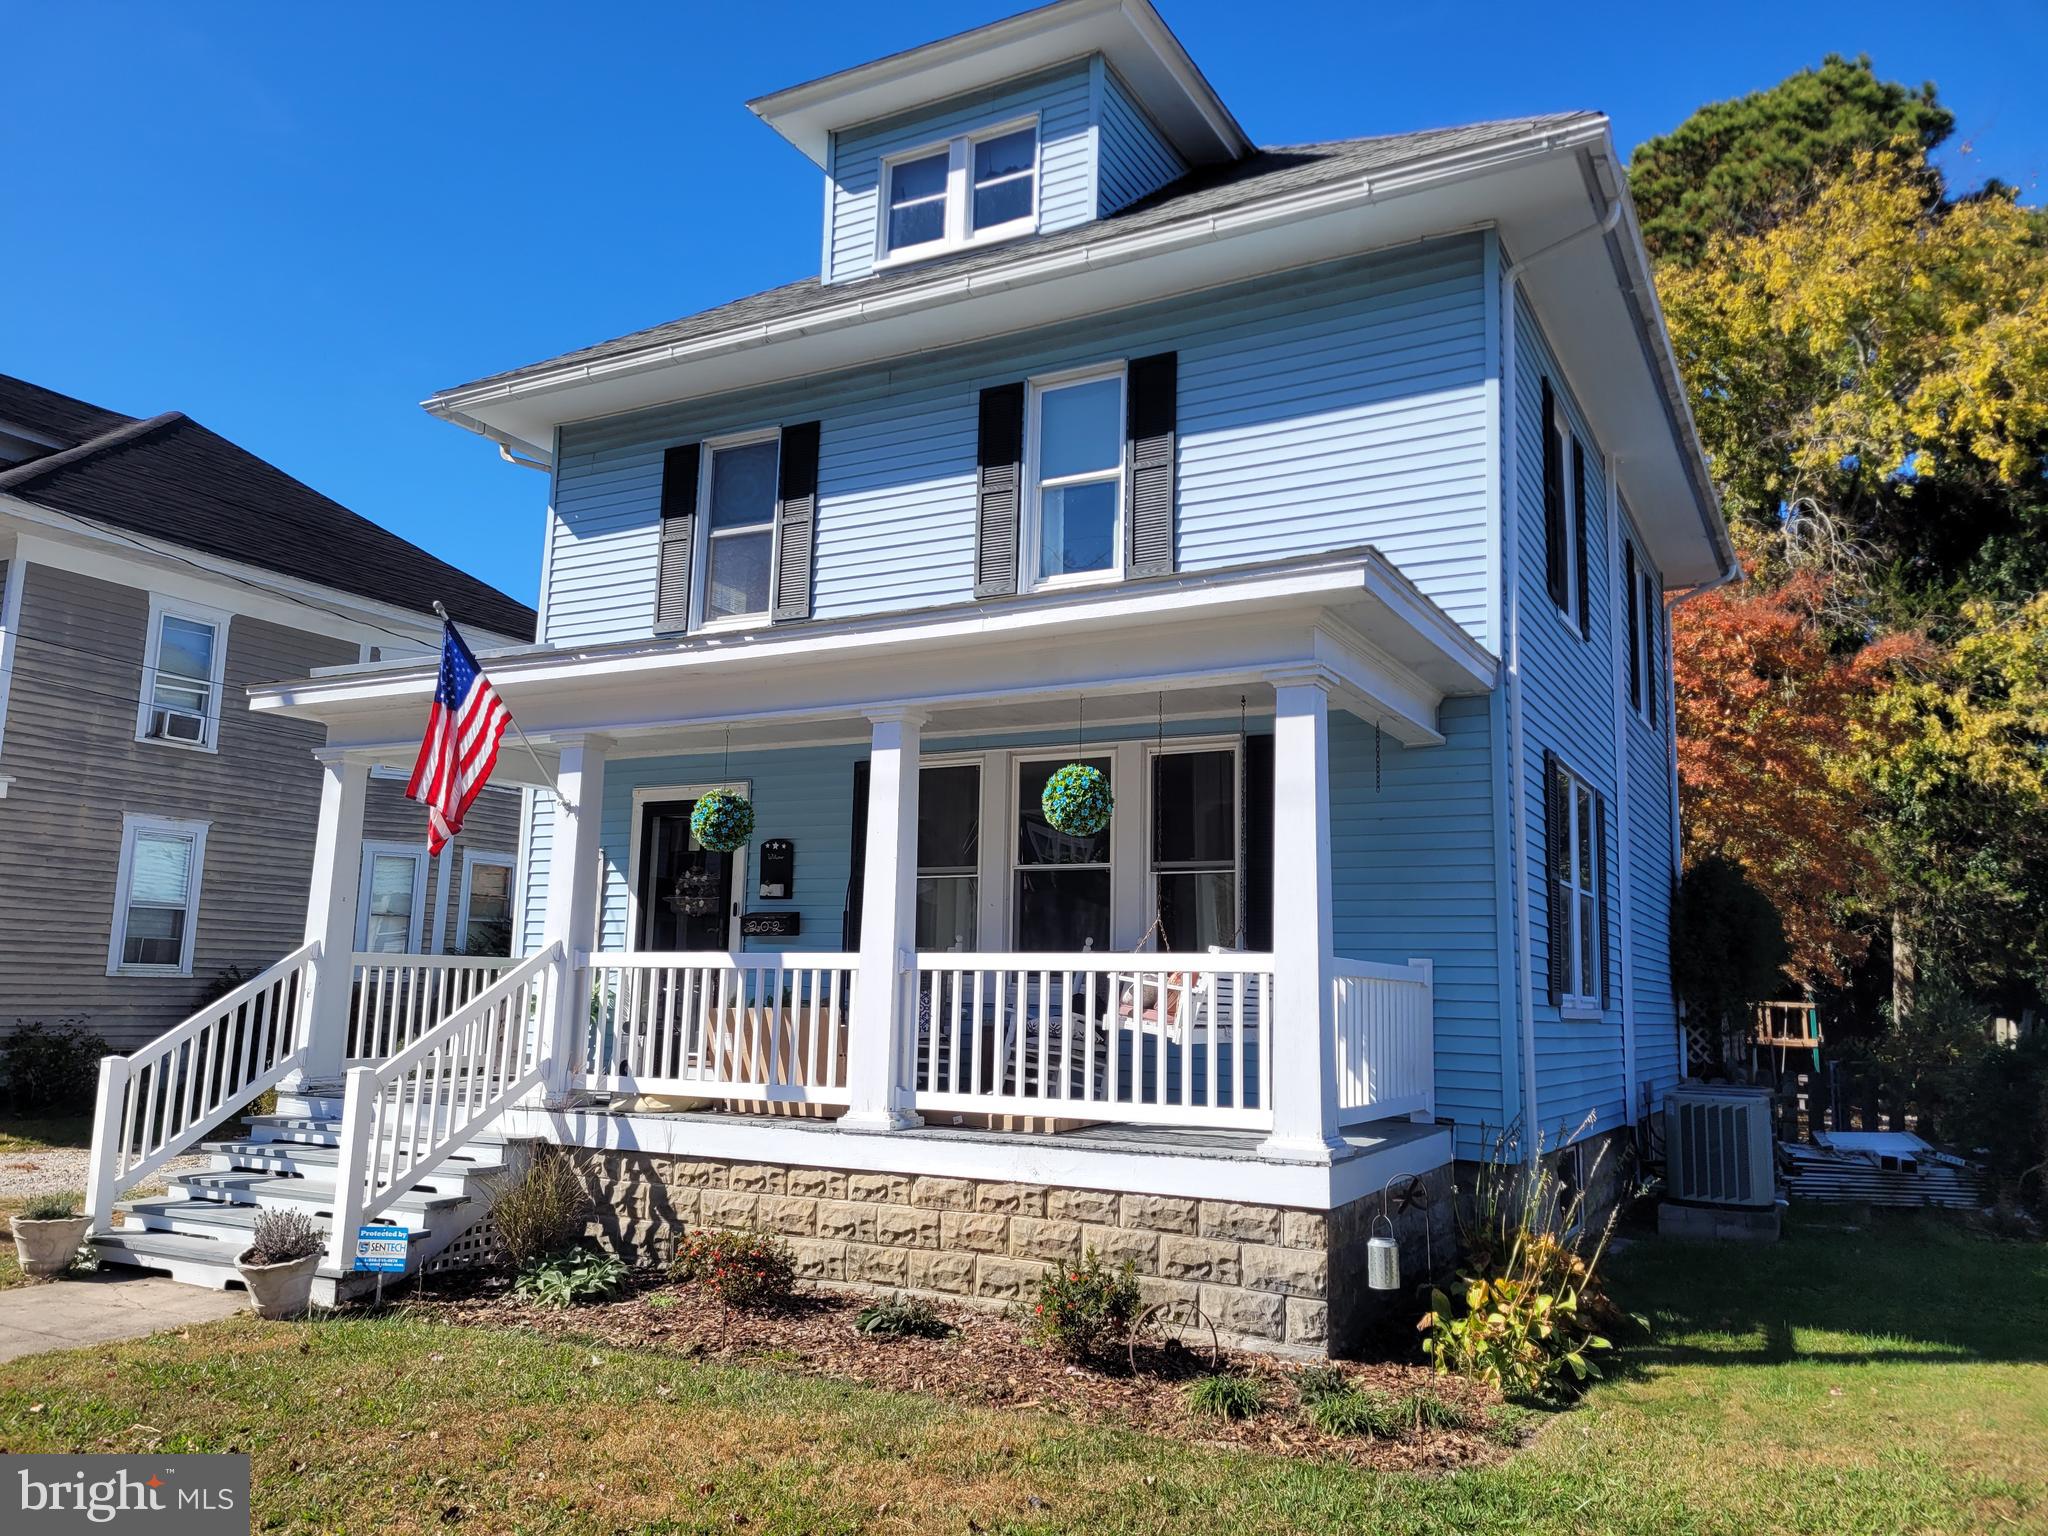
[[1511, 277]]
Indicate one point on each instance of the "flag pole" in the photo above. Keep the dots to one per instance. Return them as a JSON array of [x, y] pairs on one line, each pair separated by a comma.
[[512, 719]]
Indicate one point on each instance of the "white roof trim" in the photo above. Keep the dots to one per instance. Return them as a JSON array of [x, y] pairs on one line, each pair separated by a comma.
[[1129, 33]]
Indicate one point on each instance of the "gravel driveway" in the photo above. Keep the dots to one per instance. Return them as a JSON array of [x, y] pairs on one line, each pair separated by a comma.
[[62, 1170]]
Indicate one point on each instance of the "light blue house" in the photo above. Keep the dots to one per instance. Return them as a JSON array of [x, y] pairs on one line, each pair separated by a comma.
[[1327, 500]]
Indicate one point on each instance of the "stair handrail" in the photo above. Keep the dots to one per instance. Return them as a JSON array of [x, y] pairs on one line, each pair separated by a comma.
[[153, 1104], [462, 1074]]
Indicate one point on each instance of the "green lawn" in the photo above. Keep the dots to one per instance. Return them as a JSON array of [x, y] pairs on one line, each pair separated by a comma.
[[40, 1134], [1881, 1380]]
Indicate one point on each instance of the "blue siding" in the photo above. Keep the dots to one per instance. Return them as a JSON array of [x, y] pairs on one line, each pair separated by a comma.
[[1345, 405], [1133, 159], [1413, 867], [537, 828], [1062, 98], [1568, 708], [1651, 818]]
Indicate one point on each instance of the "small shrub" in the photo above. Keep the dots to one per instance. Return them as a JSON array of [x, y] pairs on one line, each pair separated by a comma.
[[1226, 1395], [46, 1068], [1086, 1311], [748, 1270], [278, 1237], [224, 981], [50, 1208], [1321, 1381], [538, 1206], [902, 1317], [1354, 1411], [571, 1279]]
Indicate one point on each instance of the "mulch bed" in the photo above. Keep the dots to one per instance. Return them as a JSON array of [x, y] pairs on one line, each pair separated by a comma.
[[988, 1362]]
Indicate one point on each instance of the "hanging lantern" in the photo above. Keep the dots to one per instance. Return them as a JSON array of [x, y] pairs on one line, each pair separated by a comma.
[[1382, 1257], [722, 821], [1077, 801]]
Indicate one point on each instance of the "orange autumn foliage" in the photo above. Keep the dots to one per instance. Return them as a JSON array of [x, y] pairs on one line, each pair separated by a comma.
[[1767, 758]]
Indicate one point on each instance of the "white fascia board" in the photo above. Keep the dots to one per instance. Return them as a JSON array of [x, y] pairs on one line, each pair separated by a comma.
[[133, 559], [1296, 219], [1397, 658], [1129, 33]]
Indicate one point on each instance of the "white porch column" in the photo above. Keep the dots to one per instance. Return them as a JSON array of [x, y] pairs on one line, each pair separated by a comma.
[[878, 1042], [575, 872], [331, 915], [1302, 1035]]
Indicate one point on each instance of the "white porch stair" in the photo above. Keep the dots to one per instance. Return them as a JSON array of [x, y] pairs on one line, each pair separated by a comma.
[[287, 1161]]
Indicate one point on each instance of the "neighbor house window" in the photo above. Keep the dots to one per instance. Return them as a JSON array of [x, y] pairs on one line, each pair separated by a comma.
[[156, 908], [739, 528], [975, 187], [183, 665], [1061, 881], [1194, 848], [948, 857], [392, 906], [485, 917], [1075, 444], [1577, 832]]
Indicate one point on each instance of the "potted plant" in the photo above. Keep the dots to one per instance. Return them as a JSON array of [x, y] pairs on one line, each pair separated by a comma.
[[47, 1235], [278, 1264]]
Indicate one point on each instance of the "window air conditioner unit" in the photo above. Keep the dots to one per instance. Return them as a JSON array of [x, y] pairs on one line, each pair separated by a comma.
[[1718, 1146], [176, 725]]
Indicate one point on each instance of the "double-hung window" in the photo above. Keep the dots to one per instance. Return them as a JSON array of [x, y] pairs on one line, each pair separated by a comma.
[[949, 857], [738, 519], [1075, 460], [392, 907], [1061, 889], [156, 903], [1577, 818], [183, 666], [485, 918], [1644, 609], [1195, 848], [1566, 567], [964, 191]]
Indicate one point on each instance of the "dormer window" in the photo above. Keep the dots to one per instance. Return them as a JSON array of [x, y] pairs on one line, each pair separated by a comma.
[[978, 187]]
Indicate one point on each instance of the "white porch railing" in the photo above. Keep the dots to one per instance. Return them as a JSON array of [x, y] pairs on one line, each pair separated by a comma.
[[1386, 1049], [401, 1117], [762, 1026], [156, 1103], [1153, 1039], [397, 998]]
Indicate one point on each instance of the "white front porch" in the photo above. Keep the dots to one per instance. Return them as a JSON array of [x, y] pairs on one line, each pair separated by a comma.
[[1186, 1061]]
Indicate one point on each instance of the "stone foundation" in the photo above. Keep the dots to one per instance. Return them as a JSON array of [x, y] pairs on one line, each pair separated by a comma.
[[1268, 1277]]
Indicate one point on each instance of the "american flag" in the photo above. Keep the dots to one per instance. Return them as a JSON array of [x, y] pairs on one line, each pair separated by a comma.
[[461, 745]]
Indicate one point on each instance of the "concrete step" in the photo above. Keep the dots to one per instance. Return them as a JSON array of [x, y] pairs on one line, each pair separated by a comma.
[[257, 1188], [188, 1258], [317, 1159], [305, 1130]]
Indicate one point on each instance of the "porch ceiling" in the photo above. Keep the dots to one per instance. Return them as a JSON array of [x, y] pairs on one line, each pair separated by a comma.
[[1202, 640]]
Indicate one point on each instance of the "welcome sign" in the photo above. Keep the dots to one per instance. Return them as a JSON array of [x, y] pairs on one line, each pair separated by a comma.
[[159, 1495]]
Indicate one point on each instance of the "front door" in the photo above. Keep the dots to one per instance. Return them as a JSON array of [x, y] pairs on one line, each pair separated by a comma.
[[686, 891]]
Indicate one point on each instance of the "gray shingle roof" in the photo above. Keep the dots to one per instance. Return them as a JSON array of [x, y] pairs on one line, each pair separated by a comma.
[[1264, 174], [170, 478], [60, 418]]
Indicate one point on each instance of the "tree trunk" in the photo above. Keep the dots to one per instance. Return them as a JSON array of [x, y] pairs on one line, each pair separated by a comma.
[[1905, 968]]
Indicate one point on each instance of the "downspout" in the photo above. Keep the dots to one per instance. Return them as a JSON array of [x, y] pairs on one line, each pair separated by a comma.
[[1511, 277]]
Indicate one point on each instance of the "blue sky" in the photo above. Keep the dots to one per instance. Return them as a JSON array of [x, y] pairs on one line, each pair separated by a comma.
[[293, 222]]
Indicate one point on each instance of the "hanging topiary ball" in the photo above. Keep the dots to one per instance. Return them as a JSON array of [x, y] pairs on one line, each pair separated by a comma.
[[1077, 801], [723, 820]]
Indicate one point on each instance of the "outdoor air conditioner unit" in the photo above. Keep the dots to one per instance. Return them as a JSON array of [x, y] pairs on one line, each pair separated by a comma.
[[176, 725], [1718, 1145]]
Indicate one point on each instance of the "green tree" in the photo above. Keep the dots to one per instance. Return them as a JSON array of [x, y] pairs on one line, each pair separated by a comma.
[[1732, 165]]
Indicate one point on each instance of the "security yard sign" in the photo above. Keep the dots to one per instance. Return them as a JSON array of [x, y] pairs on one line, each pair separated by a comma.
[[380, 1247]]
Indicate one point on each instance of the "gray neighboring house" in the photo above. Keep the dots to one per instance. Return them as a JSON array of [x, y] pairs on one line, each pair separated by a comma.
[[153, 832]]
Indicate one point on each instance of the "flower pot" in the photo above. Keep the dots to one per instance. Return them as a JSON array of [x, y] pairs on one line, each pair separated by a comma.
[[279, 1290], [46, 1248]]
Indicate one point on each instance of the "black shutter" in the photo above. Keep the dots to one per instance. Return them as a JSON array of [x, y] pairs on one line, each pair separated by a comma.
[[1255, 901], [1635, 626], [857, 874], [1653, 613], [1557, 853], [1600, 880], [999, 483], [796, 513], [1151, 417], [1555, 574], [678, 537], [1579, 536]]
